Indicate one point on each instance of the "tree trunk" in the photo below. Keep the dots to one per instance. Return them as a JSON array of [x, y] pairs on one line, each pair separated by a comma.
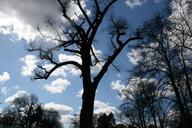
[[88, 97], [86, 115]]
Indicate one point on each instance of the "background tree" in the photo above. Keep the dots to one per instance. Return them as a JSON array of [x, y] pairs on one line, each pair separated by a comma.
[[105, 121], [145, 104], [166, 56], [101, 120], [75, 122], [77, 37], [25, 112]]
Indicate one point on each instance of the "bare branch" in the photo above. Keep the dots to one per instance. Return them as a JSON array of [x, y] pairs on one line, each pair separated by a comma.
[[48, 73], [84, 13], [110, 61], [93, 53]]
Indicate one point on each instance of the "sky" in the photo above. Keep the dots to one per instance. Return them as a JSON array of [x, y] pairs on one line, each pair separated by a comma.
[[62, 91]]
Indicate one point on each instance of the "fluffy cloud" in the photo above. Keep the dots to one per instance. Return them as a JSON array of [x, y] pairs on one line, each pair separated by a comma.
[[133, 85], [101, 107], [63, 109], [57, 86], [117, 85], [58, 72], [30, 62], [4, 77], [17, 16], [18, 94], [70, 69], [21, 17], [64, 57], [66, 119], [134, 56]]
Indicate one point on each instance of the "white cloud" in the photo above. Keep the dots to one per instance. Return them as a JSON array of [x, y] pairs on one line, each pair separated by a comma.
[[134, 56], [21, 17], [79, 93], [133, 3], [30, 62], [101, 107], [64, 57], [57, 86], [66, 119], [4, 77], [117, 85], [134, 83], [18, 94], [69, 68], [64, 109], [58, 72]]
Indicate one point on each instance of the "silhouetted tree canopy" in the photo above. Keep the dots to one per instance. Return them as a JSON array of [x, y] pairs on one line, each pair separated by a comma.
[[165, 58], [26, 112]]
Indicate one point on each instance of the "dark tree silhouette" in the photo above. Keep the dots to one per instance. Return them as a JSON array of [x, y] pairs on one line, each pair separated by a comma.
[[144, 104], [182, 35], [165, 57], [27, 113], [105, 121], [77, 38]]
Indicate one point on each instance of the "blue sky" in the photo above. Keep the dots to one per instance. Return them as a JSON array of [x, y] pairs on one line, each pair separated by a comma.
[[17, 23]]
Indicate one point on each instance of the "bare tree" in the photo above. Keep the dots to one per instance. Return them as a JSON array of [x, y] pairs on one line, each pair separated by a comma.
[[163, 59], [182, 37], [77, 38], [139, 106]]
